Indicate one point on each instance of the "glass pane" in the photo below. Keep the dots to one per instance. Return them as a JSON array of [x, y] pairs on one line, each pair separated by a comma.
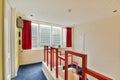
[[56, 33], [34, 35], [45, 35]]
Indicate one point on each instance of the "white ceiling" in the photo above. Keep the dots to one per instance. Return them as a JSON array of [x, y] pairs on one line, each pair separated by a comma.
[[56, 11]]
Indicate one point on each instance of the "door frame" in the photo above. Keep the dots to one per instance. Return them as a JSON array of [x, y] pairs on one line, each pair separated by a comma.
[[13, 44], [12, 23]]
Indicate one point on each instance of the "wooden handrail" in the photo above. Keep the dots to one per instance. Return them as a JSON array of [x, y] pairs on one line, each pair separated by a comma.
[[67, 54], [97, 75], [84, 63], [45, 53], [85, 70], [62, 58], [51, 51]]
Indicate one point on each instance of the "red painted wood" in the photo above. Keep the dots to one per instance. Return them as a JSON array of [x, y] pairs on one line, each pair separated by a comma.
[[56, 63], [66, 65], [84, 66], [51, 52], [97, 75], [53, 57], [71, 59], [54, 51], [47, 55], [85, 70], [76, 53], [84, 62], [61, 58], [44, 53]]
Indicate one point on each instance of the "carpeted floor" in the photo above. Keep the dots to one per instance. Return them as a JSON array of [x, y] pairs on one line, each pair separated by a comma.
[[31, 72]]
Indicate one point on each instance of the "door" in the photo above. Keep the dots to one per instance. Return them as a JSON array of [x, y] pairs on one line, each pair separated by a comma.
[[7, 41]]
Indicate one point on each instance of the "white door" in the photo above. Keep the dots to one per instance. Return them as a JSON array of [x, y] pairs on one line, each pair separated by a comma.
[[7, 40]]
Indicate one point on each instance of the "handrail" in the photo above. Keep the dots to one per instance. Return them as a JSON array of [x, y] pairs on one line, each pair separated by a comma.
[[51, 51], [61, 58], [97, 75], [84, 63], [67, 54], [45, 53], [85, 70]]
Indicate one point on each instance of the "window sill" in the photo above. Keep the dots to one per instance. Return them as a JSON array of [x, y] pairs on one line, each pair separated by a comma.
[[43, 48], [37, 48]]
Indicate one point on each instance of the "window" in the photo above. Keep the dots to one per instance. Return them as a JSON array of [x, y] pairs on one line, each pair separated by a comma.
[[34, 35], [48, 35], [56, 36], [64, 37], [44, 35]]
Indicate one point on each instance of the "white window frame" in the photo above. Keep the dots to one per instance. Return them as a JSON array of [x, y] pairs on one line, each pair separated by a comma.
[[38, 34], [62, 37]]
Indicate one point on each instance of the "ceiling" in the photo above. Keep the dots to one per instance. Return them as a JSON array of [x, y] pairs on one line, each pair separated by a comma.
[[68, 12]]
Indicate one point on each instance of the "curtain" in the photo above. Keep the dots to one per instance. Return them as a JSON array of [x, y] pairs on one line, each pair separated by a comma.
[[69, 37], [26, 35]]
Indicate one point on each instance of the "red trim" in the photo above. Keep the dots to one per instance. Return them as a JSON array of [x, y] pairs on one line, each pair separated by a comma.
[[44, 54], [66, 65], [45, 48], [60, 59], [97, 75], [69, 37], [84, 66], [51, 58], [57, 63], [85, 70], [47, 56]]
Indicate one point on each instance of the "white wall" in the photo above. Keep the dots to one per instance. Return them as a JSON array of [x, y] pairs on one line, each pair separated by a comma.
[[102, 44]]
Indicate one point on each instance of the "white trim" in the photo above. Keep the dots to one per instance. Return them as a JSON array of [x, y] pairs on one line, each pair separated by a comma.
[[49, 74], [7, 41], [13, 41], [47, 23], [8, 77], [12, 25], [11, 3]]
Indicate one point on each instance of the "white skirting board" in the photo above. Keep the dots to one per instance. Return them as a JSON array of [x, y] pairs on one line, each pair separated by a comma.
[[49, 75]]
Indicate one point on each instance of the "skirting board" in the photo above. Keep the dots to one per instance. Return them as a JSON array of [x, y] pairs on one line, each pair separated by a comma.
[[47, 72]]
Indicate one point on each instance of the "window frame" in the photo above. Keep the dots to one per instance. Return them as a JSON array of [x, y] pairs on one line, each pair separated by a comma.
[[51, 25]]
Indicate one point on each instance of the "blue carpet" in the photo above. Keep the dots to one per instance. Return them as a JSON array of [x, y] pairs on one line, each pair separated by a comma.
[[30, 72]]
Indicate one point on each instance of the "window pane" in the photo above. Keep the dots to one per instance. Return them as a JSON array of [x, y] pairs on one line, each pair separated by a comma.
[[45, 35], [64, 37], [34, 35], [56, 33]]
